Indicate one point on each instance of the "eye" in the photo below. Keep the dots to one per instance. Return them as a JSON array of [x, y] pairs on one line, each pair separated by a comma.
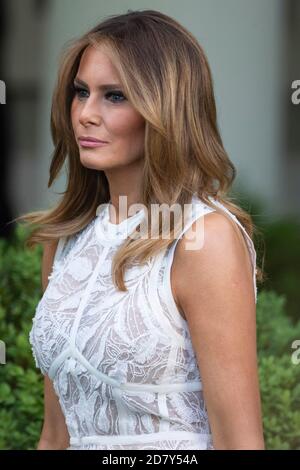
[[79, 90], [118, 94], [110, 94]]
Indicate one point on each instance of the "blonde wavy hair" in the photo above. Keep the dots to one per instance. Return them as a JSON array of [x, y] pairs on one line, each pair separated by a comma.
[[166, 76]]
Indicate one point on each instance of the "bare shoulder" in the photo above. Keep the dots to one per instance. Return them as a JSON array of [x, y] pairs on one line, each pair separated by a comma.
[[49, 249], [214, 288], [221, 261]]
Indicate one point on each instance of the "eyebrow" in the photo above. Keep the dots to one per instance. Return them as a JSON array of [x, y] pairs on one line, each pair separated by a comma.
[[106, 86]]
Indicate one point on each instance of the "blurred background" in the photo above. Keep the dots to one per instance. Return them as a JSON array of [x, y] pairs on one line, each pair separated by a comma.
[[253, 50]]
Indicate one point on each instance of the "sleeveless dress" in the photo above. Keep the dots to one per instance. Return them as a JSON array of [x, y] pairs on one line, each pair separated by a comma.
[[122, 363]]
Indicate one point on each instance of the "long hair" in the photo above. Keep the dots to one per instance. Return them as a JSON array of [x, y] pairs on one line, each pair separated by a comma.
[[166, 76]]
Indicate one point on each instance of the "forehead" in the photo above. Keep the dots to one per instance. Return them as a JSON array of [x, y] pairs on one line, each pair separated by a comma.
[[96, 63]]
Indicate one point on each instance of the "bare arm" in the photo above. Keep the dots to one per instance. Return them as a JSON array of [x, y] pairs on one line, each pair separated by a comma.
[[215, 291], [54, 433]]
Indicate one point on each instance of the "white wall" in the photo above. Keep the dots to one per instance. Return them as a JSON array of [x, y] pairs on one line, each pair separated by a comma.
[[26, 28]]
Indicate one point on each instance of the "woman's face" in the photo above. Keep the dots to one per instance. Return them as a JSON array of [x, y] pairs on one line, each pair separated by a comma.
[[104, 114]]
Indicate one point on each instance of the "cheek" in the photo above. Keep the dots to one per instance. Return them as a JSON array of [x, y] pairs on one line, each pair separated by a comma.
[[74, 113], [125, 124]]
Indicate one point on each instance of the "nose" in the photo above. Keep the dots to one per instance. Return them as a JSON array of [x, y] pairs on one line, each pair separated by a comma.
[[90, 113]]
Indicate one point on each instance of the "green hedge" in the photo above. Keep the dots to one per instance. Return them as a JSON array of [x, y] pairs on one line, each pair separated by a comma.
[[21, 384], [282, 239], [279, 377]]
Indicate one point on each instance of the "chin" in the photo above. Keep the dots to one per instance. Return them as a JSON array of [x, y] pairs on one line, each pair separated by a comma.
[[95, 162]]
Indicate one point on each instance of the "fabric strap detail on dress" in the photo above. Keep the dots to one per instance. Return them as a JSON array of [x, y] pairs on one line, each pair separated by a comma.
[[156, 305], [59, 249], [140, 439], [86, 297], [192, 386]]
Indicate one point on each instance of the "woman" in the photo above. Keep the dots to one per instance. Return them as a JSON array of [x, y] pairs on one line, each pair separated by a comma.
[[126, 322]]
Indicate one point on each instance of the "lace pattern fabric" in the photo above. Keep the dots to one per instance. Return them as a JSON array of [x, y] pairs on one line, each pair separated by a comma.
[[122, 363]]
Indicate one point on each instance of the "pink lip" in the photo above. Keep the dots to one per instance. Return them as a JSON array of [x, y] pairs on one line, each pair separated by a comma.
[[91, 143], [92, 139]]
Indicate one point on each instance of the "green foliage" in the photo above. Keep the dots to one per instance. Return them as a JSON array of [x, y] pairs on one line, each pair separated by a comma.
[[279, 376], [21, 384], [282, 264], [280, 391], [276, 331]]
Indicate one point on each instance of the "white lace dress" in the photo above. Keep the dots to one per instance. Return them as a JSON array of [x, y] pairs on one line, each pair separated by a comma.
[[122, 363]]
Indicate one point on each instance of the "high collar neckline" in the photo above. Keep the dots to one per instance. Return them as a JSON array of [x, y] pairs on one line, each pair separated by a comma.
[[115, 232]]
